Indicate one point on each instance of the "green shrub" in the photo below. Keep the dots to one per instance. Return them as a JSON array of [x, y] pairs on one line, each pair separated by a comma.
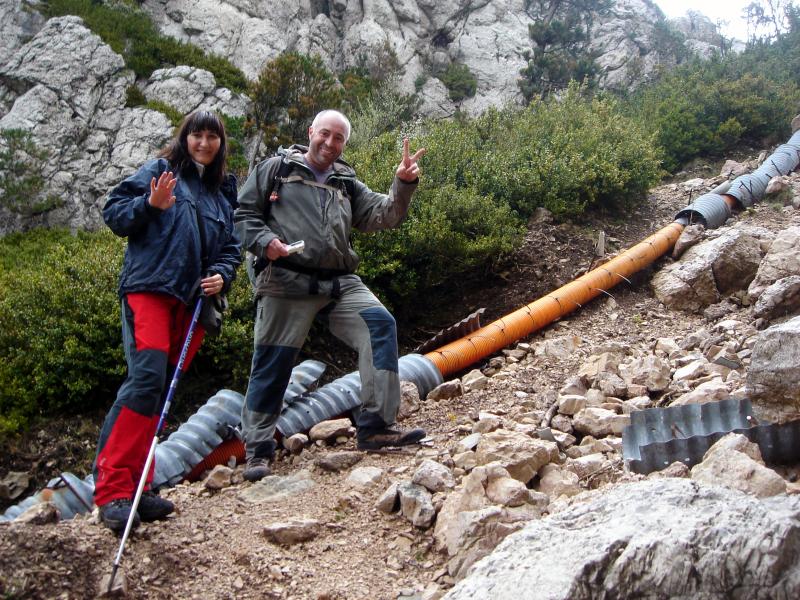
[[131, 33], [290, 90], [173, 114], [568, 155], [450, 232], [60, 342], [459, 81], [134, 97], [571, 155], [708, 108], [237, 159], [21, 179]]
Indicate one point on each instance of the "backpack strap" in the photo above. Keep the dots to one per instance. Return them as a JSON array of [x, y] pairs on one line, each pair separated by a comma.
[[281, 177]]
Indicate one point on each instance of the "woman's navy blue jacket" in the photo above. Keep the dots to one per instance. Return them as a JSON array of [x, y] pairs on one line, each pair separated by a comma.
[[164, 252]]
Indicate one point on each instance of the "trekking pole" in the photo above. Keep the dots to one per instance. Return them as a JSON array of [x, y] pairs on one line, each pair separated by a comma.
[[150, 455]]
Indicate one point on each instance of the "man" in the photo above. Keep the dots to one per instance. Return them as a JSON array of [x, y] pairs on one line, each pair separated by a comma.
[[311, 195]]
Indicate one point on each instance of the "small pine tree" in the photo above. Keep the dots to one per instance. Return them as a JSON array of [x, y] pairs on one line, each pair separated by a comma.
[[560, 52], [289, 91]]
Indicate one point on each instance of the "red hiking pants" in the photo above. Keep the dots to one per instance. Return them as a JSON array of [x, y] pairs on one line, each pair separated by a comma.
[[154, 327]]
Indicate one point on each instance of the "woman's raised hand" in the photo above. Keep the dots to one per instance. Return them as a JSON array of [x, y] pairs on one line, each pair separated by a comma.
[[161, 191]]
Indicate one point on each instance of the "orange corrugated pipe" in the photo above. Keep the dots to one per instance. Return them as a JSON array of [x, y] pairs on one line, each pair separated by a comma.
[[457, 356], [219, 456]]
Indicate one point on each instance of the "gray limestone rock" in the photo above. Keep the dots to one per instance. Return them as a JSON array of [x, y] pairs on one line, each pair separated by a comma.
[[520, 454], [773, 379], [274, 488], [220, 477], [434, 476], [19, 22], [779, 299], [782, 260], [489, 37], [416, 504], [709, 270], [331, 429], [295, 531], [338, 461], [660, 539], [67, 89]]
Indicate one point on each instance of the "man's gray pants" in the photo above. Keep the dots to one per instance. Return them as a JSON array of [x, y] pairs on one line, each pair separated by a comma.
[[282, 324]]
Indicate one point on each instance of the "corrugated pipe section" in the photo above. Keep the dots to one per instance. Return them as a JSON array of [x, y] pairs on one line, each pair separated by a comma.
[[210, 432], [714, 208], [68, 493], [710, 210], [344, 395], [749, 188], [458, 355]]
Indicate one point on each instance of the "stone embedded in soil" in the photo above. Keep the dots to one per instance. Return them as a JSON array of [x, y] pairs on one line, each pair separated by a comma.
[[274, 488], [331, 429], [292, 532], [219, 478], [434, 476], [119, 588], [295, 443], [338, 461]]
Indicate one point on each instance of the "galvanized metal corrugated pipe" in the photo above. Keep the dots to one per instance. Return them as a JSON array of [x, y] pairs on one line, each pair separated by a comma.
[[749, 188], [714, 208], [458, 355]]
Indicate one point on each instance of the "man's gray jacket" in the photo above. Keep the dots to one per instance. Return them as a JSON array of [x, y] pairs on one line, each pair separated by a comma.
[[297, 212]]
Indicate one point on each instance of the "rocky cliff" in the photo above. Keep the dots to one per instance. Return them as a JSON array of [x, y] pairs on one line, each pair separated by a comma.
[[489, 37]]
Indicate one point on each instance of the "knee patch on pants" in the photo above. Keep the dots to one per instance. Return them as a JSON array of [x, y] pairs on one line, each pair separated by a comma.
[[383, 337]]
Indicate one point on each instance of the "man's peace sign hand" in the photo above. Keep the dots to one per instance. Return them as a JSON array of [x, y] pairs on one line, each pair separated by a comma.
[[408, 169]]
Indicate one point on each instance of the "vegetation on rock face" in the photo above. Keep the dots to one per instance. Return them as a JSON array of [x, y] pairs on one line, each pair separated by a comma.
[[560, 46], [21, 179], [289, 91], [131, 33], [459, 81]]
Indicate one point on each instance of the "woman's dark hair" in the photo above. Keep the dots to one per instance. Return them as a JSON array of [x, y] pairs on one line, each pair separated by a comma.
[[177, 151]]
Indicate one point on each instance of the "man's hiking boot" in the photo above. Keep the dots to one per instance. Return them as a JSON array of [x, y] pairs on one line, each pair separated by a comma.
[[152, 507], [375, 438], [257, 468], [114, 515]]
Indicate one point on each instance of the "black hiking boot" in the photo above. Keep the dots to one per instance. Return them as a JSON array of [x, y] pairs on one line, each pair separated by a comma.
[[257, 468], [152, 507], [114, 515], [375, 438]]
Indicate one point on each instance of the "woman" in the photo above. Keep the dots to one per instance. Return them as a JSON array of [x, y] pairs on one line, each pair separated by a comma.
[[158, 209]]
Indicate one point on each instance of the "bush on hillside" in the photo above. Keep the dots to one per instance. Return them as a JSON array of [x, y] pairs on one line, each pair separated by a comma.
[[568, 155], [290, 90], [459, 81], [21, 179], [571, 155], [60, 344], [450, 233], [708, 108]]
